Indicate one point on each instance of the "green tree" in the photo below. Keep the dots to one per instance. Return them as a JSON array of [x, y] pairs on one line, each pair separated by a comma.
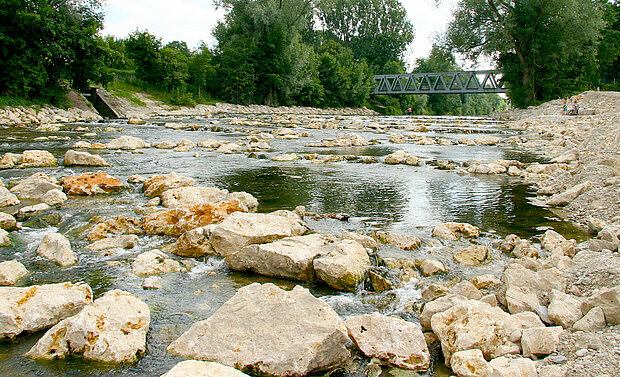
[[609, 48], [376, 30], [145, 50], [546, 48], [45, 45], [202, 72]]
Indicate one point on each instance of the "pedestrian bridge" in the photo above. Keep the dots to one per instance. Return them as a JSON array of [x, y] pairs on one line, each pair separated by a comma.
[[464, 82]]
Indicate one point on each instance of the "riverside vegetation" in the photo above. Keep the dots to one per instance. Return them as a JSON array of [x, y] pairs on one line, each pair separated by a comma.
[[288, 243]]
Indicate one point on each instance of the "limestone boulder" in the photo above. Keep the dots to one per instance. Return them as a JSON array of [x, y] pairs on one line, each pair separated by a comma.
[[195, 368], [115, 226], [157, 184], [366, 241], [509, 243], [8, 222], [34, 188], [117, 242], [528, 320], [453, 231], [564, 198], [403, 241], [286, 157], [486, 281], [474, 324], [343, 266], [487, 169], [187, 196], [607, 299], [11, 271], [431, 267], [37, 159], [246, 198], [564, 310], [344, 140], [152, 282], [288, 258], [438, 306], [525, 289], [127, 143], [487, 140], [193, 243], [470, 363], [54, 198], [7, 198], [551, 240], [29, 211], [391, 340], [265, 330], [91, 184], [509, 367], [471, 256], [176, 221], [57, 248], [467, 289], [155, 262], [540, 341], [594, 320], [242, 229], [525, 249], [73, 158], [34, 308], [112, 329]]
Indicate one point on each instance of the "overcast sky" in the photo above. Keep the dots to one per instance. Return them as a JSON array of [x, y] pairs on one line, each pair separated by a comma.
[[192, 20]]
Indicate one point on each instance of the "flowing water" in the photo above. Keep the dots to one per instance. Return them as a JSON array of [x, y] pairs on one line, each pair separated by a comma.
[[399, 198]]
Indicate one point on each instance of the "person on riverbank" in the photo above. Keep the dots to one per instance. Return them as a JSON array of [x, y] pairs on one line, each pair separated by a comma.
[[565, 105], [409, 111]]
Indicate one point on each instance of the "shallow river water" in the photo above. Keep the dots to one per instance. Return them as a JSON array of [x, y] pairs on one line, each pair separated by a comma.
[[399, 198]]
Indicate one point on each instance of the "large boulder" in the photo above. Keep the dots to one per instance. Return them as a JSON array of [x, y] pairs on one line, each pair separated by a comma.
[[5, 240], [526, 290], [474, 324], [83, 159], [195, 368], [155, 262], [288, 258], [540, 341], [265, 330], [517, 367], [57, 248], [117, 225], [344, 140], [176, 221], [594, 320], [343, 266], [471, 256], [157, 184], [193, 243], [564, 310], [127, 143], [402, 241], [34, 188], [184, 196], [37, 159], [112, 329], [391, 340], [11, 271], [29, 309], [564, 198], [91, 184], [7, 198], [607, 299], [470, 363], [117, 242], [453, 231], [242, 229]]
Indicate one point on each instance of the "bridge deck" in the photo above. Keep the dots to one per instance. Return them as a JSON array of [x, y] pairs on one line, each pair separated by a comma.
[[440, 83]]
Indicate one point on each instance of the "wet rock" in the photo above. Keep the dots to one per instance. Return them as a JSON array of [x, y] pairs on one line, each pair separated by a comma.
[[34, 308], [486, 282], [210, 143], [391, 340], [288, 258], [137, 178], [487, 140], [524, 249], [57, 248], [184, 146], [607, 299], [551, 240], [83, 159], [91, 184], [7, 198], [193, 243], [471, 256], [117, 225], [157, 184], [11, 271], [194, 368], [569, 195], [175, 222], [467, 289], [343, 266], [473, 324], [402, 241], [470, 363], [434, 291], [438, 306], [185, 196], [367, 242], [242, 229], [111, 329], [594, 320], [37, 159], [229, 148], [54, 198], [564, 310], [507, 367], [117, 242], [34, 187], [152, 282], [127, 143], [378, 282], [8, 222], [262, 324], [487, 169], [286, 157], [29, 211], [344, 140], [453, 231], [164, 145], [540, 341], [431, 267], [247, 199], [155, 262]]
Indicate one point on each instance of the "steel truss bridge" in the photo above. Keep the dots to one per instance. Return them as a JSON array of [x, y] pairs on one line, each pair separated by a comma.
[[440, 83]]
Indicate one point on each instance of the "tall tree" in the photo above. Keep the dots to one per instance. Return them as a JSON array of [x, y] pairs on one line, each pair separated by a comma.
[[144, 49], [546, 48], [376, 30]]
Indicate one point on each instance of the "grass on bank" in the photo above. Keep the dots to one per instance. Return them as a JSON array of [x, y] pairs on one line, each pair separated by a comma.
[[13, 101], [128, 88]]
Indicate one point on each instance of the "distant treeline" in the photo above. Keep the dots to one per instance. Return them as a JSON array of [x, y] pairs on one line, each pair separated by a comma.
[[320, 53]]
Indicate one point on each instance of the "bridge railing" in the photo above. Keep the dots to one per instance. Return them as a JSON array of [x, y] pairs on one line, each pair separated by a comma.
[[440, 83]]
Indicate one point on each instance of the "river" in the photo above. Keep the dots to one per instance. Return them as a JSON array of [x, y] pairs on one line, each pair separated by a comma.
[[398, 198]]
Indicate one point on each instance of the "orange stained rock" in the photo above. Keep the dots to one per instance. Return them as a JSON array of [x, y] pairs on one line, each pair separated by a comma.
[[91, 184]]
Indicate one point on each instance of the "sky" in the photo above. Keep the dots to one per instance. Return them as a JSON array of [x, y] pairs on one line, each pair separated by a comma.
[[193, 20]]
